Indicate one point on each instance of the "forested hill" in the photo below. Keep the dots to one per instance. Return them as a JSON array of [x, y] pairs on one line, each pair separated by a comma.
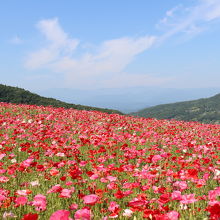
[[20, 96], [206, 110]]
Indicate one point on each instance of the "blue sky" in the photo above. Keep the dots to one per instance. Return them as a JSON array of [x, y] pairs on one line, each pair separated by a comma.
[[84, 44]]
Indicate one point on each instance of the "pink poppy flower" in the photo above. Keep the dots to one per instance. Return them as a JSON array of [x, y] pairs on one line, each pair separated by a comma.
[[90, 199], [83, 163], [54, 172], [54, 189], [112, 185], [113, 207], [156, 158], [39, 202], [2, 198], [60, 215], [69, 183], [182, 185], [65, 193], [200, 182], [103, 180], [23, 192], [127, 192], [213, 194], [111, 178], [2, 171], [22, 200], [59, 154], [173, 215], [73, 206], [94, 176], [135, 203], [2, 156], [127, 213], [176, 195], [83, 214], [187, 199], [4, 179], [27, 163]]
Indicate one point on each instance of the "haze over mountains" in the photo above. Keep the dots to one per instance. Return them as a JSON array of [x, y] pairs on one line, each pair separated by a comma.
[[128, 99]]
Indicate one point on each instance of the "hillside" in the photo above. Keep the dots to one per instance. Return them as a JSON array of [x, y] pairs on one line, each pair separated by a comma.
[[17, 95], [205, 110], [63, 164]]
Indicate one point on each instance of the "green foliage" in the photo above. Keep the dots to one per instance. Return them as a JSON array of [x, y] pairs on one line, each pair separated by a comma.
[[17, 95], [202, 110]]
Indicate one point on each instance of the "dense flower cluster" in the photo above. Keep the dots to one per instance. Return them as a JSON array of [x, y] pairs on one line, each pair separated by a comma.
[[68, 164]]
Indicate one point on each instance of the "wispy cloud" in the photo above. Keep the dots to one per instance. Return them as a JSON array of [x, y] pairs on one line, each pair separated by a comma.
[[189, 20], [213, 9], [105, 64], [58, 43], [108, 59], [16, 40]]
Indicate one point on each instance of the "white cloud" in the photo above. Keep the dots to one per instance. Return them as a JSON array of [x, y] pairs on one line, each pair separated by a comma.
[[214, 9], [54, 33], [110, 57], [59, 43], [171, 12], [105, 64], [189, 20], [108, 60], [16, 40], [41, 58]]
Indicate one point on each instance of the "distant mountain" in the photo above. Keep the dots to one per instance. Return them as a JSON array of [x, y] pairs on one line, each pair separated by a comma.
[[128, 99], [20, 96], [205, 110]]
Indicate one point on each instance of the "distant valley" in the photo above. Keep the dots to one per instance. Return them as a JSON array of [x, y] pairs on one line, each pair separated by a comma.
[[127, 100]]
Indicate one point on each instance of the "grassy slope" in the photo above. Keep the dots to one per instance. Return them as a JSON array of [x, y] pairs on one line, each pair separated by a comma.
[[205, 110], [20, 96]]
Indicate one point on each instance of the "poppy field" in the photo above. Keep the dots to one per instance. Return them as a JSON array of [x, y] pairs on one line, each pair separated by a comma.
[[63, 164]]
